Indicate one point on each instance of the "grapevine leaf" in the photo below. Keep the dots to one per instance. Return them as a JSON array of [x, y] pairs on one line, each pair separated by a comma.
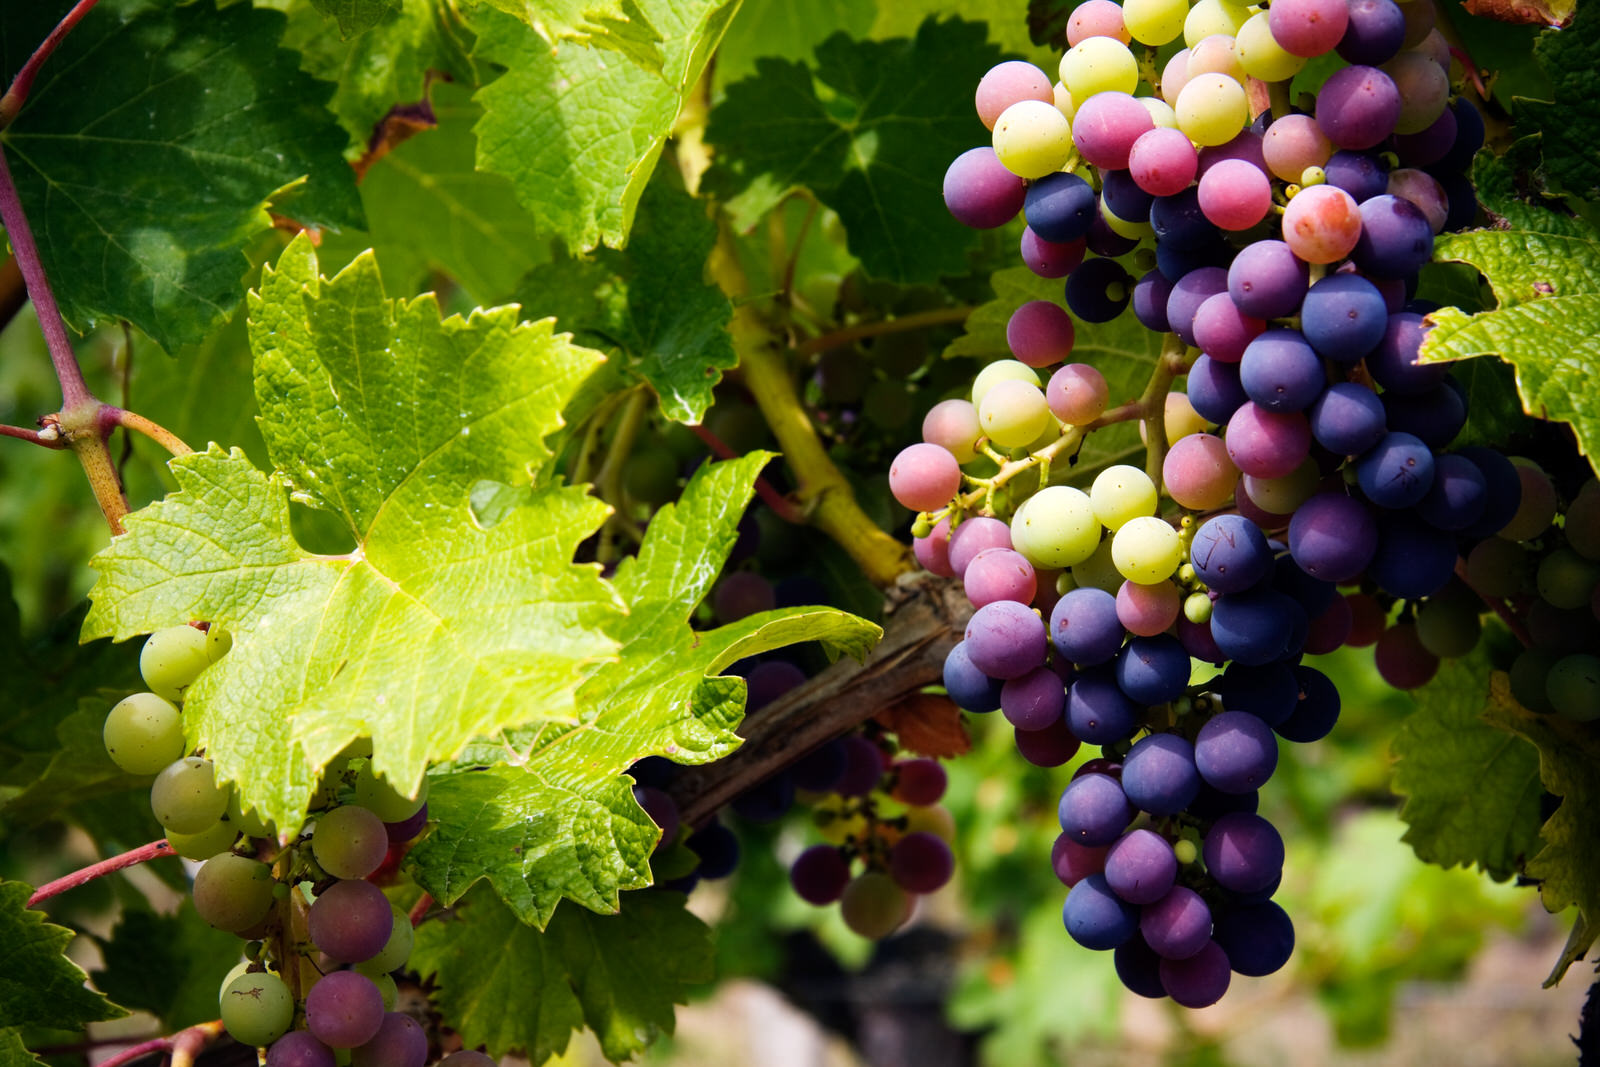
[[1567, 123], [1472, 791], [578, 130], [1569, 766], [356, 16], [429, 208], [1544, 269], [168, 965], [188, 106], [1007, 24], [787, 29], [587, 21], [1122, 350], [79, 769], [1503, 51], [651, 305], [39, 986], [555, 818], [508, 986], [896, 113], [12, 1051], [434, 630]]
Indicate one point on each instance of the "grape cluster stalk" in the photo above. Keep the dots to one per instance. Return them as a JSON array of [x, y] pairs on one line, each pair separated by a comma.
[[1301, 492]]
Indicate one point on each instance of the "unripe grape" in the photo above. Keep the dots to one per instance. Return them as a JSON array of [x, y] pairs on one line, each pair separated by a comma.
[[1154, 21], [257, 1008], [1012, 414], [1121, 493], [1146, 550], [1001, 370], [873, 906], [374, 793], [395, 951], [1261, 55], [205, 844], [1212, 18], [233, 893], [344, 1009], [1032, 138], [185, 796], [218, 642], [1055, 528], [1078, 394], [1212, 109], [1007, 83], [1099, 65], [172, 659], [144, 733], [953, 426]]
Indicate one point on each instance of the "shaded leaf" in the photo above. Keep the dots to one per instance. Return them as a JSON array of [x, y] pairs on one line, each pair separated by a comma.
[[1568, 126], [787, 29], [168, 965], [39, 986], [356, 16]]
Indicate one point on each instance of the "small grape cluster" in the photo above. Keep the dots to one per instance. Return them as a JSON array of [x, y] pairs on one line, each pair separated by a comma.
[[322, 940], [1281, 255]]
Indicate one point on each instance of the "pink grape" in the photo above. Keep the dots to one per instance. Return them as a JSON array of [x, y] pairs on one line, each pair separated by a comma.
[[344, 1009], [972, 537], [1358, 106], [921, 862], [1006, 83], [1147, 610], [1096, 18], [1267, 444], [1308, 28], [953, 425], [1040, 333], [1235, 195], [1051, 259], [1106, 126], [1222, 331], [1198, 473], [1163, 161], [1215, 54], [1322, 224], [999, 574], [924, 477], [980, 192], [1174, 76], [1424, 191], [1292, 144], [1077, 394], [933, 551]]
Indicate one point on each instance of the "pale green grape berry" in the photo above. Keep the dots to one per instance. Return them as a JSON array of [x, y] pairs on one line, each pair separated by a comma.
[[395, 951], [1197, 608], [1055, 528], [239, 968], [376, 795], [257, 1008], [1566, 579], [1013, 414], [387, 990], [172, 659], [218, 642], [1121, 493], [1212, 109], [873, 906], [1001, 370], [1154, 21], [233, 893], [1146, 550], [1283, 496], [205, 844], [1261, 55], [1185, 851], [185, 796], [1161, 112], [1213, 17], [1122, 227], [350, 842], [143, 733], [1099, 65], [1032, 138], [1099, 571]]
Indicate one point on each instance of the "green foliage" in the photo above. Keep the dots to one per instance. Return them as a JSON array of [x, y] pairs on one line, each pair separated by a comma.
[[787, 29], [356, 16], [437, 630], [39, 986], [508, 986], [1007, 26], [221, 123], [1472, 790], [1568, 127], [870, 132], [168, 965], [12, 1051], [1544, 269]]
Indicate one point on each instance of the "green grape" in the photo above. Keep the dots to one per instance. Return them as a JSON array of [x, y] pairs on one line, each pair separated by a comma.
[[374, 793], [1536, 510], [1055, 528], [1449, 626], [1120, 226], [250, 823], [233, 893], [1282, 496], [218, 642], [1032, 138], [1014, 413], [1583, 521], [873, 906], [1001, 370], [172, 659], [1099, 65], [205, 844], [387, 990], [1161, 112], [185, 796], [143, 733], [257, 1008], [1154, 21], [1212, 109], [1573, 687], [395, 951], [350, 842], [1146, 550], [1186, 851], [1566, 579], [1197, 608], [1120, 493], [1529, 674], [1099, 571], [239, 968], [1210, 17], [1261, 55]]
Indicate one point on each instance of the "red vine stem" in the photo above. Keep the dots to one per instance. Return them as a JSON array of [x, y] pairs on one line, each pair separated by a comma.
[[781, 505], [17, 94], [143, 854], [419, 910], [131, 420], [183, 1045], [22, 433]]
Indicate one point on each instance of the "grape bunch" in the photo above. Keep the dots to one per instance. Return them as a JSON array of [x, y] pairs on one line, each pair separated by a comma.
[[315, 986], [1280, 245]]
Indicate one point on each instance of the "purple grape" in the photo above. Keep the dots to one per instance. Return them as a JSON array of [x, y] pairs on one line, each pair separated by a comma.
[[1034, 701], [1347, 419], [819, 770], [1198, 642], [921, 862], [1255, 626], [1316, 708], [1141, 867], [1153, 670], [1458, 495], [1344, 316], [1099, 290], [1097, 918], [350, 922], [407, 829], [1074, 862], [1188, 294], [1097, 710], [1084, 626], [1124, 197], [1413, 559], [1150, 294], [717, 848], [1006, 640], [1427, 147], [1469, 138], [1374, 32], [1050, 747], [1333, 537], [400, 1042], [1200, 980], [742, 594], [1094, 810], [1503, 490], [1267, 444], [1280, 371], [1358, 173], [1178, 925], [1395, 240], [769, 681], [1247, 145], [1435, 416], [1179, 223], [819, 875], [1235, 752], [344, 1009], [661, 808], [980, 192], [1159, 775], [1357, 107], [1243, 853], [1059, 207], [919, 782], [1230, 554], [1050, 259], [1267, 281], [299, 1049], [1139, 969], [1394, 362], [1214, 390], [1397, 471], [1257, 938], [1268, 691], [970, 688], [975, 535], [863, 767], [1104, 241], [1222, 331]]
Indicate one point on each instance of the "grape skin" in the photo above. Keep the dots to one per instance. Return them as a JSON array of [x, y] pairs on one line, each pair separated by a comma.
[[144, 733]]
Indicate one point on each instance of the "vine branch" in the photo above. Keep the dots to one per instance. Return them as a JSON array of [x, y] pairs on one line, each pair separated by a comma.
[[131, 420], [17, 94], [184, 1046], [1153, 403], [49, 437], [132, 858], [781, 505], [860, 331]]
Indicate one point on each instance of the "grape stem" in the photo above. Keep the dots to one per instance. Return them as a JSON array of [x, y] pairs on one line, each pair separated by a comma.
[[17, 95], [781, 505], [901, 324], [131, 420], [49, 437], [153, 851], [184, 1046], [1153, 404], [419, 910]]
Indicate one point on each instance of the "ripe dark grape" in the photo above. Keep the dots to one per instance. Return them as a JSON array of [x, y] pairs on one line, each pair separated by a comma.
[[399, 1042], [1267, 280], [1159, 774], [1094, 810], [1096, 917], [1198, 981], [1074, 862], [1099, 290], [351, 921], [920, 782], [1333, 536], [980, 192], [1153, 670], [1098, 711], [1257, 938], [1230, 554], [1060, 207], [1139, 968], [1280, 371], [1034, 701], [1243, 853], [344, 1009], [1344, 315], [969, 687], [819, 875], [1178, 925], [299, 1049], [717, 848], [1140, 867], [1397, 471], [1049, 747], [1235, 752], [921, 862], [1269, 692]]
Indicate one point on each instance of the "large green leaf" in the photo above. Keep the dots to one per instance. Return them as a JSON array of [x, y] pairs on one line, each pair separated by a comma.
[[651, 306], [508, 986], [1007, 19], [555, 818], [870, 132], [1568, 124], [435, 629], [356, 16], [1471, 790], [145, 182], [79, 768], [1544, 269], [788, 29], [168, 965], [39, 986], [13, 1053], [579, 130]]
